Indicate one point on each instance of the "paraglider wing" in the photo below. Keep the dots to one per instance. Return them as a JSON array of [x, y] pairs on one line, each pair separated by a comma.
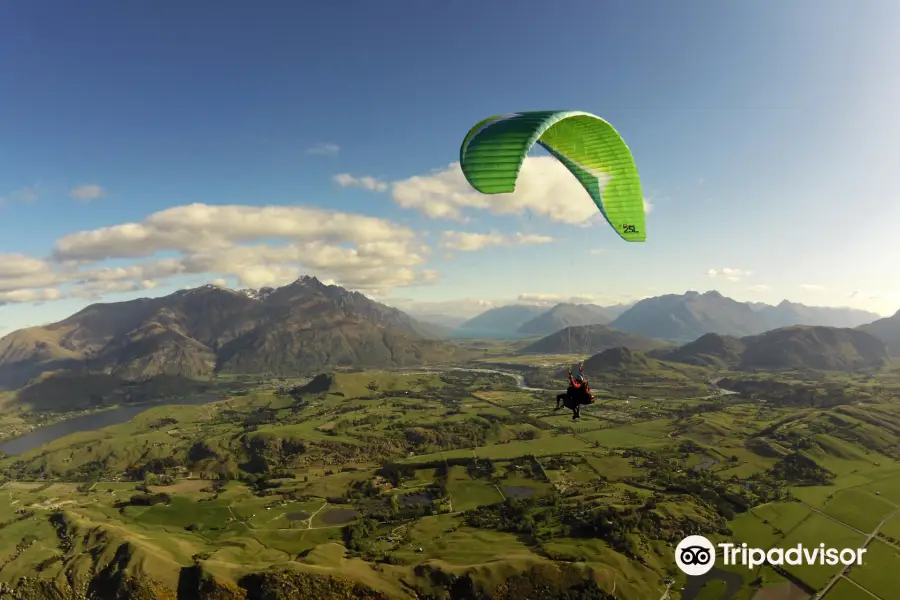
[[492, 153]]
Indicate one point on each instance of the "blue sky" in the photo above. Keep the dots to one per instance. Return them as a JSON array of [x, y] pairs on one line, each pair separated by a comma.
[[151, 146]]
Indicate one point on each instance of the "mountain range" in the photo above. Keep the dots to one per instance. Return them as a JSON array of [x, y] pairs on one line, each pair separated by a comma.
[[566, 315], [591, 339], [308, 326], [676, 317], [501, 322], [301, 327], [887, 330], [794, 347]]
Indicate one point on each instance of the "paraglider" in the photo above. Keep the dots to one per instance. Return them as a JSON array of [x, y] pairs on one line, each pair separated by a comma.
[[578, 393], [492, 153]]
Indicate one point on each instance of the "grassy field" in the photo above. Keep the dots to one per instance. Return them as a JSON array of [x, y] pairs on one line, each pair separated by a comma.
[[813, 531], [879, 573], [859, 508], [466, 493], [262, 479], [847, 590]]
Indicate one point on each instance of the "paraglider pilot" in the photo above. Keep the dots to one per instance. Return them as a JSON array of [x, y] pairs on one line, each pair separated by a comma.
[[578, 393]]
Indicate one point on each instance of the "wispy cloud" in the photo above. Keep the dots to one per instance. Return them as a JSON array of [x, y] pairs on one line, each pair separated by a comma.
[[729, 274], [366, 182], [811, 287], [324, 149], [463, 241], [864, 295], [759, 287], [87, 192], [24, 195]]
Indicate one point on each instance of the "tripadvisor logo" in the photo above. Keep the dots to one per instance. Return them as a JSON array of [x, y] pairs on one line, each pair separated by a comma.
[[696, 555]]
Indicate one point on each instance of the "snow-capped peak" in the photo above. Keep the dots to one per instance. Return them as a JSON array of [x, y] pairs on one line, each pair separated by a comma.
[[257, 293]]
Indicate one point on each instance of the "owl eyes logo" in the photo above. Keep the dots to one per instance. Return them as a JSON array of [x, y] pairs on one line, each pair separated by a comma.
[[695, 555]]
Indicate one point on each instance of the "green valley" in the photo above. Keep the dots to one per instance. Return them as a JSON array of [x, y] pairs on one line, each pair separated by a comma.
[[456, 483]]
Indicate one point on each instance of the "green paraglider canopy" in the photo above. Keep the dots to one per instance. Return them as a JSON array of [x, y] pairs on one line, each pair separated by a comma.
[[492, 153]]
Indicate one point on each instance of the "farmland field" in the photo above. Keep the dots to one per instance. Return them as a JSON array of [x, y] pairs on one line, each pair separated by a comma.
[[401, 482]]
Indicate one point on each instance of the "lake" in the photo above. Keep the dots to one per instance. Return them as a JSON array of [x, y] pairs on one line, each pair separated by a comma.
[[114, 416]]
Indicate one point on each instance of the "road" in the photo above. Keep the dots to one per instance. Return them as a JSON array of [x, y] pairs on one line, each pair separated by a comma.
[[665, 595], [869, 537]]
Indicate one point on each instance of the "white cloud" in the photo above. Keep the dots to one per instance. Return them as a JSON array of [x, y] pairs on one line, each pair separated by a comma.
[[221, 282], [367, 183], [20, 272], [553, 299], [260, 246], [811, 287], [523, 239], [324, 149], [37, 295], [87, 192], [463, 241], [544, 188], [25, 195], [97, 289], [206, 228], [729, 274], [21, 265], [760, 287], [596, 251]]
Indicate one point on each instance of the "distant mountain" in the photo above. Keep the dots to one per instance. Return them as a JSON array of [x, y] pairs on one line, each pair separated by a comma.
[[566, 315], [614, 364], [791, 313], [302, 327], [448, 322], [617, 309], [590, 339], [502, 321], [802, 346], [887, 330], [758, 305], [616, 359], [796, 347], [688, 316], [710, 350]]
